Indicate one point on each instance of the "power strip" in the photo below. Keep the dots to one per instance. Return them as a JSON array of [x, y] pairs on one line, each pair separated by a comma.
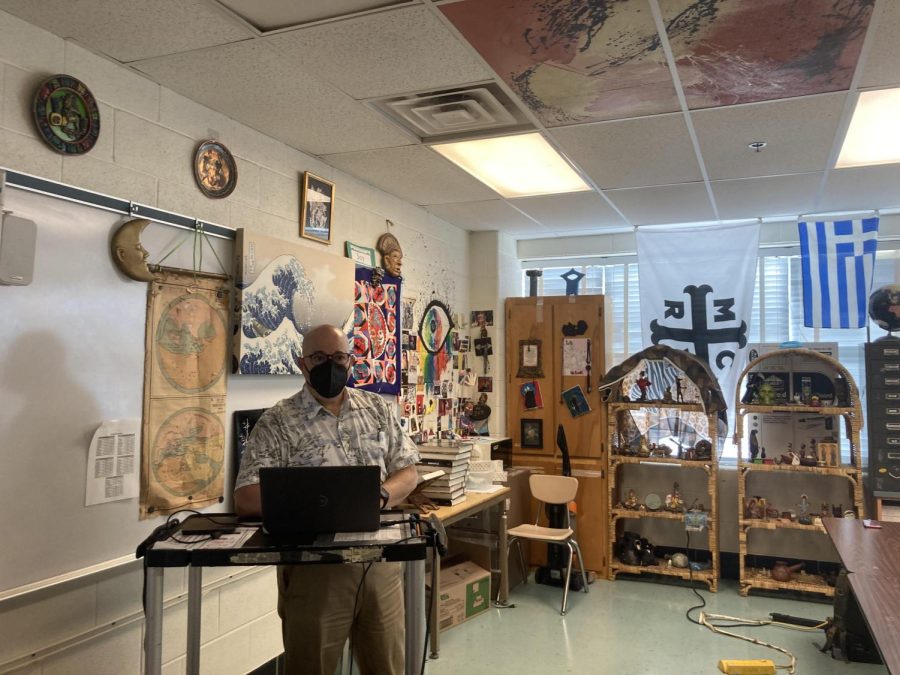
[[747, 666]]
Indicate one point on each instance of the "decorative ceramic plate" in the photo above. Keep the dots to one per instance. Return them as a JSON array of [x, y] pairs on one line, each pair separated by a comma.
[[66, 115], [214, 170], [652, 501]]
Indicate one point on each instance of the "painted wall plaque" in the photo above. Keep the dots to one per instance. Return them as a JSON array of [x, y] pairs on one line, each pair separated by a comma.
[[214, 169], [66, 115]]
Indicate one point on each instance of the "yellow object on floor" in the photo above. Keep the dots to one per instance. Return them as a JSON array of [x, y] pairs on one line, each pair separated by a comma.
[[747, 666]]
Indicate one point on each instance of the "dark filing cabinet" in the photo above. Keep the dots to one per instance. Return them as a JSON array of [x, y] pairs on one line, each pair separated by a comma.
[[883, 414]]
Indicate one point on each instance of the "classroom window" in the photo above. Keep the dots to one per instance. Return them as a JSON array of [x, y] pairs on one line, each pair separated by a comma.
[[776, 316]]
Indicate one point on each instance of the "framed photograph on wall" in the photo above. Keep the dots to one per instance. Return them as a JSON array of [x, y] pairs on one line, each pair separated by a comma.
[[532, 433], [316, 208]]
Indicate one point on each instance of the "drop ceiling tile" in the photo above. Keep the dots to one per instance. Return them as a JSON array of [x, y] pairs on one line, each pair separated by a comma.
[[129, 30], [489, 215], [576, 211], [571, 62], [632, 153], [414, 173], [687, 203], [766, 197], [251, 83], [799, 134], [391, 52], [882, 67], [865, 187], [740, 51], [276, 14]]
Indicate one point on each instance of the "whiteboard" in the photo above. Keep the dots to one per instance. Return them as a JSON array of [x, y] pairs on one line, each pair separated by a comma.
[[73, 355]]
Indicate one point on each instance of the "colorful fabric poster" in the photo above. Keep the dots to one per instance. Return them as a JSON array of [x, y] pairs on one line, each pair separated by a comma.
[[375, 340]]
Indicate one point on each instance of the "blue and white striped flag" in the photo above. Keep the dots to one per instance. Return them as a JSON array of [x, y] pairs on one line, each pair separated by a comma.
[[838, 259]]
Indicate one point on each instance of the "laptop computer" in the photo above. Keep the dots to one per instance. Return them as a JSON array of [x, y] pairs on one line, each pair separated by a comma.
[[320, 500]]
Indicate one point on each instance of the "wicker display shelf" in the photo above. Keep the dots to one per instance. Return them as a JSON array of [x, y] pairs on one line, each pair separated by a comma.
[[633, 459], [710, 576], [699, 384], [851, 413], [850, 472], [639, 405], [777, 524], [749, 408], [756, 577], [637, 513]]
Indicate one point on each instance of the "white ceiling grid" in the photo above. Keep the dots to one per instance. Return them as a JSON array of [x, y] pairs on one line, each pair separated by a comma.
[[302, 73]]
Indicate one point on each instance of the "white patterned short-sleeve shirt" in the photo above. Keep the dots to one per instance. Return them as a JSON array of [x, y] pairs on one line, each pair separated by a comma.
[[298, 431]]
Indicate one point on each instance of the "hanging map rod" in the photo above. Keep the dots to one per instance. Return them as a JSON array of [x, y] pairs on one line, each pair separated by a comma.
[[24, 181]]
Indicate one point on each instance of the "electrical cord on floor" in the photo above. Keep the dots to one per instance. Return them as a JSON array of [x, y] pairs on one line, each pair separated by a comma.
[[738, 622]]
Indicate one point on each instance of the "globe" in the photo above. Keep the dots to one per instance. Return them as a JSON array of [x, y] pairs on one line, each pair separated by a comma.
[[884, 307]]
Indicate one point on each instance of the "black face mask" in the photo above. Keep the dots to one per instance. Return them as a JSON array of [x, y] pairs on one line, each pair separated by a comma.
[[328, 379]]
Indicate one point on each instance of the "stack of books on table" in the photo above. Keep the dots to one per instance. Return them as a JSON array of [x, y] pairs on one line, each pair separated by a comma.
[[450, 488]]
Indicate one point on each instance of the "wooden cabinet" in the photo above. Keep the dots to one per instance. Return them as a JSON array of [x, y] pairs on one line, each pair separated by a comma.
[[544, 319], [755, 475]]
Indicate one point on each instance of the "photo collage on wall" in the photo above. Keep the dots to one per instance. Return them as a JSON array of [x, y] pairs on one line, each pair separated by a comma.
[[437, 382]]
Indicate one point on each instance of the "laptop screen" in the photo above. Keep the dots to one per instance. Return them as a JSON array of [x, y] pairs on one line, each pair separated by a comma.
[[320, 500]]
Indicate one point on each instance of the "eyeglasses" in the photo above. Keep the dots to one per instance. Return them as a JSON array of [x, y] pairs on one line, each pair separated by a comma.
[[340, 358]]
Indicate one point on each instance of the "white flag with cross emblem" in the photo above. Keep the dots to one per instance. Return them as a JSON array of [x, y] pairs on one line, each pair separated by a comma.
[[696, 288]]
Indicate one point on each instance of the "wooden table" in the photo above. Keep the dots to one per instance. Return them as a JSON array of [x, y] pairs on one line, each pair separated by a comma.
[[872, 560], [475, 502]]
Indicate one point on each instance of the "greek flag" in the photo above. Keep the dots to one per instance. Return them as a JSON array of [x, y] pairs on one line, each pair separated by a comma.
[[838, 259]]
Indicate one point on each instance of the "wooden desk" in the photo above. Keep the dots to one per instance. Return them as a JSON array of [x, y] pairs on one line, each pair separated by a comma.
[[872, 560], [475, 503], [863, 550]]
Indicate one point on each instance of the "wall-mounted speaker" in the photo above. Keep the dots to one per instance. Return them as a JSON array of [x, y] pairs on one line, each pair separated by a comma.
[[17, 242]]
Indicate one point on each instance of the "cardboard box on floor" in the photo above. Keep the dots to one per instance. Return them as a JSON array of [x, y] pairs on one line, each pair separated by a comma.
[[465, 592]]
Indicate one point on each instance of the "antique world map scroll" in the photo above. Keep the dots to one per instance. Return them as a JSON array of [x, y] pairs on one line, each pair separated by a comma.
[[183, 459]]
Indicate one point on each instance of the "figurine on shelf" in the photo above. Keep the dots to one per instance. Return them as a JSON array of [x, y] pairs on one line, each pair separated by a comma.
[[703, 450], [762, 455], [797, 399], [751, 393], [754, 446], [763, 507], [803, 515], [751, 508], [674, 502], [644, 450], [815, 401], [644, 385], [766, 394], [631, 501], [679, 391], [667, 395]]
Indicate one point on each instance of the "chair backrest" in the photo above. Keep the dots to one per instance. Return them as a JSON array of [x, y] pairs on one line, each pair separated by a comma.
[[553, 489]]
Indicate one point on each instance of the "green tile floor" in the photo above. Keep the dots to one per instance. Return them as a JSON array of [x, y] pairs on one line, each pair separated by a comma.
[[628, 628]]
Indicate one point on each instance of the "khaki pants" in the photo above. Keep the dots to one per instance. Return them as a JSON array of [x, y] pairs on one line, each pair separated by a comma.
[[316, 604]]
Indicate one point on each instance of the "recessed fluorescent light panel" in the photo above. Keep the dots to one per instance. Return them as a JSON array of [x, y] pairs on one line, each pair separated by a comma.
[[873, 137], [524, 165]]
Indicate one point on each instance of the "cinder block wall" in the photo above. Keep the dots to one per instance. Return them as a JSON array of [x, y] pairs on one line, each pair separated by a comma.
[[94, 626]]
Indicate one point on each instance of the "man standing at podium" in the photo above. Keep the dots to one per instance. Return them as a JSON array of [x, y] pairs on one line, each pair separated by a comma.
[[327, 424]]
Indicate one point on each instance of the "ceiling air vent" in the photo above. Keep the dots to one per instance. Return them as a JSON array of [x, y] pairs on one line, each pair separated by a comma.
[[475, 110]]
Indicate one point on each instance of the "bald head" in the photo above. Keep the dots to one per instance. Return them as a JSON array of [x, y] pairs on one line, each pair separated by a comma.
[[325, 338]]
